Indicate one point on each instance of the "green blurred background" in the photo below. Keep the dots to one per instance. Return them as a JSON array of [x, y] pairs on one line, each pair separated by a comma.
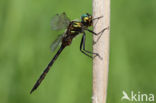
[[26, 35]]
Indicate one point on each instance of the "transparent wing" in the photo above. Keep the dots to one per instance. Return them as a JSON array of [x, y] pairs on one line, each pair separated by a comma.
[[55, 43], [60, 21]]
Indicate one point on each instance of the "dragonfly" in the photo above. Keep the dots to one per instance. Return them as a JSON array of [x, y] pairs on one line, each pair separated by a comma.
[[73, 28]]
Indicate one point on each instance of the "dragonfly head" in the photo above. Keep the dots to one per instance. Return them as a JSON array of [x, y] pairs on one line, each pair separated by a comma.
[[86, 19]]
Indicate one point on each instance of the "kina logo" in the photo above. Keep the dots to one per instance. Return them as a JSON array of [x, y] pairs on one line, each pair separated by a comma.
[[137, 96]]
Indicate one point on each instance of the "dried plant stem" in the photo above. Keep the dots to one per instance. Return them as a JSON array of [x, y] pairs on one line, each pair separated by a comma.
[[100, 67]]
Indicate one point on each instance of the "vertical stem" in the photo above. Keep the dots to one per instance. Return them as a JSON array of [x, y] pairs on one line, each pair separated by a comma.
[[100, 67]]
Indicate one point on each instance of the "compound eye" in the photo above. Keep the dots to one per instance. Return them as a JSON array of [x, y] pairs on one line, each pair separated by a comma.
[[85, 19]]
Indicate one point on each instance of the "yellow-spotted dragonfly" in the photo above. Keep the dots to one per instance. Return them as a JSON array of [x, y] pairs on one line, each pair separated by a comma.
[[73, 28]]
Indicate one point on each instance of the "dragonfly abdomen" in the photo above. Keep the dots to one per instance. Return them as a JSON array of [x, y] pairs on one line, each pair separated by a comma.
[[47, 69]]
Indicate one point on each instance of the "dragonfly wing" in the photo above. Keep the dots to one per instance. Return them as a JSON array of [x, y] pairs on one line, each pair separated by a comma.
[[60, 21], [55, 43]]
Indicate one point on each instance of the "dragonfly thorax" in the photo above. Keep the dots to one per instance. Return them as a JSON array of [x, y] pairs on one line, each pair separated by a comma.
[[75, 27]]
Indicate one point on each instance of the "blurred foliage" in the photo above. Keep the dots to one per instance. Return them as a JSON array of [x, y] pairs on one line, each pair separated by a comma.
[[25, 38], [132, 54]]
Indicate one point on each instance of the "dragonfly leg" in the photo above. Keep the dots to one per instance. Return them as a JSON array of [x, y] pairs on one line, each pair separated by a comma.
[[99, 32], [82, 47], [96, 19]]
